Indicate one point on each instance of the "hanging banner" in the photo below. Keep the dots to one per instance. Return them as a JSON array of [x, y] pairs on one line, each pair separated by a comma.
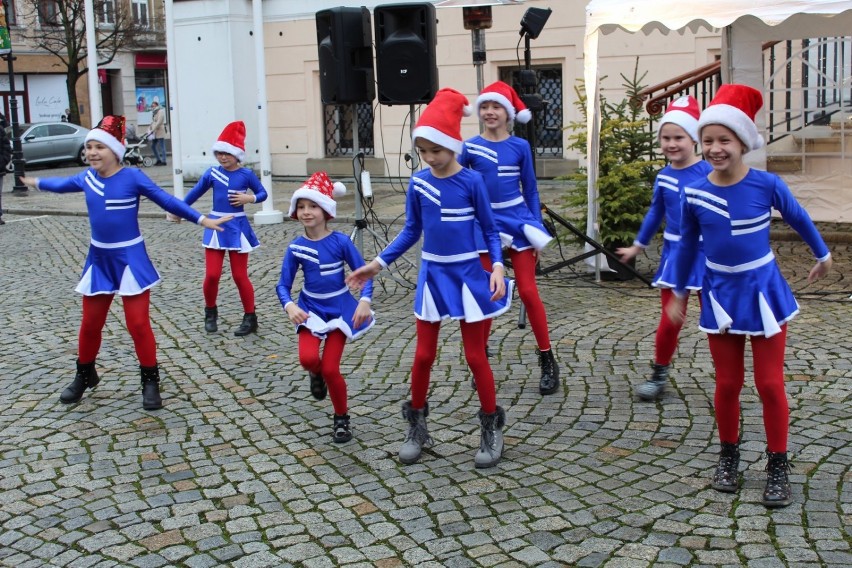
[[5, 40]]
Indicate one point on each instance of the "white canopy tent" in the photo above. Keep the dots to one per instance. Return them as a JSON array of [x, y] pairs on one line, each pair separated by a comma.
[[747, 25]]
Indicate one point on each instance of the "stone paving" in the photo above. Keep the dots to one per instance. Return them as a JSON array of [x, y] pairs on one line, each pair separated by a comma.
[[238, 468]]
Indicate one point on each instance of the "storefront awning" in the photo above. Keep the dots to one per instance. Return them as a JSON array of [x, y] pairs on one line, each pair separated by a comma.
[[153, 60]]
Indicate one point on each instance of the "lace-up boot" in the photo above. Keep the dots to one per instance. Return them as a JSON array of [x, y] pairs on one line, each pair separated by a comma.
[[778, 492], [417, 436], [726, 477], [490, 438], [549, 382], [341, 432], [653, 388]]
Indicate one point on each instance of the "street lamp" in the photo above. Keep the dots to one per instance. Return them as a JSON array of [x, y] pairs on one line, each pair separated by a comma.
[[476, 15], [17, 153]]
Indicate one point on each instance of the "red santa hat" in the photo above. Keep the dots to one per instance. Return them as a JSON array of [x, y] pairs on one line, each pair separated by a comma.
[[735, 107], [110, 132], [504, 95], [441, 121], [233, 140], [319, 189], [683, 112]]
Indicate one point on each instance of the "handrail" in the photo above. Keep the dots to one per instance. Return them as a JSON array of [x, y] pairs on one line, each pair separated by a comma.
[[657, 103]]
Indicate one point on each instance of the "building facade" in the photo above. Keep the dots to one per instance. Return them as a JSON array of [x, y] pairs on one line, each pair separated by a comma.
[[216, 64], [136, 73]]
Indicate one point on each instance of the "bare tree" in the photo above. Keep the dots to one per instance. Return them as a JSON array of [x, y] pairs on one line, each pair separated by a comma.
[[59, 28]]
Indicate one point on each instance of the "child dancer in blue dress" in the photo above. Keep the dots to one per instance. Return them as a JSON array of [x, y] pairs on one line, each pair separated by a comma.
[[325, 310], [677, 136], [506, 163], [230, 183], [744, 293], [117, 262], [442, 203]]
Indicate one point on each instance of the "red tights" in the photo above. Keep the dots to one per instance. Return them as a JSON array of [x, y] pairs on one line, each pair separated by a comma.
[[473, 340], [728, 351], [665, 341], [136, 315], [214, 259], [327, 365], [523, 266]]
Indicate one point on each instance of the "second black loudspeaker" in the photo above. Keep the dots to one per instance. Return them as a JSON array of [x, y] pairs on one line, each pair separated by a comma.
[[406, 67]]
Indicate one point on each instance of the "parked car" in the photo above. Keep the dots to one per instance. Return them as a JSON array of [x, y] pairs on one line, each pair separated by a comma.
[[45, 142]]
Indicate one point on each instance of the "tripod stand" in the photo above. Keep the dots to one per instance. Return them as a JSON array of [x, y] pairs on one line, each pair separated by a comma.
[[361, 225]]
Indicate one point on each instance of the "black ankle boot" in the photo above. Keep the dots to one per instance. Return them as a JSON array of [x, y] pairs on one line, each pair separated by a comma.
[[778, 492], [210, 317], [549, 382], [249, 325], [341, 432], [151, 388], [726, 477], [318, 386], [86, 377], [654, 387]]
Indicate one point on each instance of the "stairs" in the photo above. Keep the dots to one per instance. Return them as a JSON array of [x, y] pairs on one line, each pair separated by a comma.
[[801, 150]]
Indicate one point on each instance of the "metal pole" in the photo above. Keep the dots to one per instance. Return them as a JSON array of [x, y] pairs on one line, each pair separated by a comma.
[[359, 207], [477, 37], [17, 152], [415, 157], [96, 109]]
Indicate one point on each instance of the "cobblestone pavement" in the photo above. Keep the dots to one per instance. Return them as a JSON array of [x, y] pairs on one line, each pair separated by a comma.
[[238, 468]]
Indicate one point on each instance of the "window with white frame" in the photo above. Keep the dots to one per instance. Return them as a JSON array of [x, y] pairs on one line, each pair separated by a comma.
[[106, 12], [140, 12]]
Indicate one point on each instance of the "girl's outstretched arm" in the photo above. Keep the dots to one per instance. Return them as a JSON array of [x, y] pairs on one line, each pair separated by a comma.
[[361, 276]]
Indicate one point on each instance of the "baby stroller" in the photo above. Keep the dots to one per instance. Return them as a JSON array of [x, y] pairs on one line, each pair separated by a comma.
[[133, 155]]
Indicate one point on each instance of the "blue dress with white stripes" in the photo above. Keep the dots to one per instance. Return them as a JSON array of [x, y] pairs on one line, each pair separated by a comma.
[[117, 262], [665, 204], [324, 296], [507, 168], [744, 291], [451, 282], [237, 233]]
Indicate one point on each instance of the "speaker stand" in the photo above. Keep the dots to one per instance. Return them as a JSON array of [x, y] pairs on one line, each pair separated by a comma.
[[415, 157], [361, 226]]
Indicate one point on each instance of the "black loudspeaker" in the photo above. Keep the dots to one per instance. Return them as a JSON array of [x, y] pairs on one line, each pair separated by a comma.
[[345, 56], [406, 68]]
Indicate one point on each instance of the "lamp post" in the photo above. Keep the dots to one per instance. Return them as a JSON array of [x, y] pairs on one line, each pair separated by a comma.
[[476, 16], [17, 154]]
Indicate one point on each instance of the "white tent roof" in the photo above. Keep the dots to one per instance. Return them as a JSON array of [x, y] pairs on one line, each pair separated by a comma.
[[605, 16], [645, 15]]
